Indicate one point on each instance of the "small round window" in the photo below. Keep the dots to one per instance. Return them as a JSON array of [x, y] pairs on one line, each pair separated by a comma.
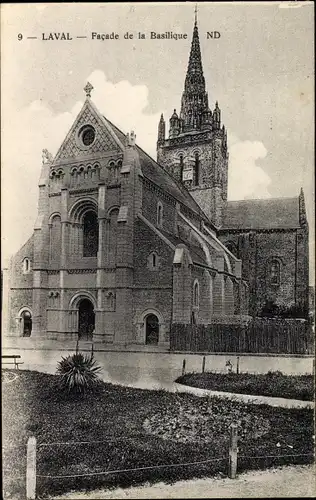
[[87, 135]]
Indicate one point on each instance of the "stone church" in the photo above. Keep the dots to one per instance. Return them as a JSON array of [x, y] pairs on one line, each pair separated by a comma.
[[124, 246]]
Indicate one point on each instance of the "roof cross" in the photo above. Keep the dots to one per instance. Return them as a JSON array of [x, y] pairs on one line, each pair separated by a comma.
[[88, 88]]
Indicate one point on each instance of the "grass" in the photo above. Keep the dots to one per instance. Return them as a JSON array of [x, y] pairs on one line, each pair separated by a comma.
[[137, 428], [274, 384]]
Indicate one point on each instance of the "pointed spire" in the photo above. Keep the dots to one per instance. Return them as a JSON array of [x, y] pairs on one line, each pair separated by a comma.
[[174, 124], [302, 209], [217, 116], [194, 80], [161, 131], [174, 116], [194, 97]]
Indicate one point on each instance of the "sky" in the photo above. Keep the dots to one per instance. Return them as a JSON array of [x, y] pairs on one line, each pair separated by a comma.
[[260, 70]]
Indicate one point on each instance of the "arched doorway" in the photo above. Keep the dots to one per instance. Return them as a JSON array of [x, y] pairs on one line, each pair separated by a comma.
[[152, 329], [86, 320], [26, 326]]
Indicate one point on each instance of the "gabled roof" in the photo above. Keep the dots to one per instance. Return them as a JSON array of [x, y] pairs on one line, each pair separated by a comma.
[[161, 177], [105, 137], [273, 213]]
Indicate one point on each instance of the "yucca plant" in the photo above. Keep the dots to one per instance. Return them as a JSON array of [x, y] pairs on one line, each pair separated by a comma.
[[78, 373]]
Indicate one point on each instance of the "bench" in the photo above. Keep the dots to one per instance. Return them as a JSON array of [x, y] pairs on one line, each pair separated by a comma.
[[11, 359]]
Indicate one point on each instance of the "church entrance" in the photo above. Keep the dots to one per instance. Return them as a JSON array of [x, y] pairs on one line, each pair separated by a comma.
[[152, 329], [86, 321], [26, 323]]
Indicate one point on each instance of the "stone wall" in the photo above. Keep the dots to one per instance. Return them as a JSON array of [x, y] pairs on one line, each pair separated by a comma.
[[257, 249], [211, 190], [146, 243], [22, 297], [280, 246], [151, 197], [302, 269], [21, 284]]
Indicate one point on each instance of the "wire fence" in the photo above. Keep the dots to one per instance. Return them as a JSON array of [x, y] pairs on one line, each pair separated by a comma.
[[185, 464], [135, 469], [226, 464]]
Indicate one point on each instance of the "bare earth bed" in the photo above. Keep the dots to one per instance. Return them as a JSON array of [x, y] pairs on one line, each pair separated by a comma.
[[124, 428], [273, 384]]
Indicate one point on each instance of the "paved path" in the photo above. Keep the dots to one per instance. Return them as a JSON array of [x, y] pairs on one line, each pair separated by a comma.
[[156, 370], [295, 482], [280, 402]]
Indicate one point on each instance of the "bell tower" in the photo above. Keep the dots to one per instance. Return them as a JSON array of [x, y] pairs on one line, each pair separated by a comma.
[[195, 152]]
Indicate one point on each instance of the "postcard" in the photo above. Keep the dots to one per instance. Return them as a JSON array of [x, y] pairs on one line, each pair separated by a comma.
[[157, 249]]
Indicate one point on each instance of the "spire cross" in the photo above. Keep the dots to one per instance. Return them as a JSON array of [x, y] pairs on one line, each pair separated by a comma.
[[88, 88]]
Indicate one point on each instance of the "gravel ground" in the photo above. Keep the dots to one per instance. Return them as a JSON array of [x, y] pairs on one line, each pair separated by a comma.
[[295, 482]]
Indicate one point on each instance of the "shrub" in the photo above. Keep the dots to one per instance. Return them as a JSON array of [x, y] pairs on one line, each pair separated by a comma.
[[271, 309], [276, 373], [78, 373]]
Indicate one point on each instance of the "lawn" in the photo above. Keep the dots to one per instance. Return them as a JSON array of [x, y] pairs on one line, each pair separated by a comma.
[[274, 384], [124, 428]]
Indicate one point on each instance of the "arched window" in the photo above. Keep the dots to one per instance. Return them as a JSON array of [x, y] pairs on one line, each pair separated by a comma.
[[25, 322], [153, 261], [90, 234], [73, 178], [197, 169], [159, 214], [181, 167], [196, 294], [112, 237], [274, 272], [55, 239], [26, 265]]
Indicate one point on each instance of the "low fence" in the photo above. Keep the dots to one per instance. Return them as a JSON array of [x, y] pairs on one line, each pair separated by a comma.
[[229, 464], [278, 336]]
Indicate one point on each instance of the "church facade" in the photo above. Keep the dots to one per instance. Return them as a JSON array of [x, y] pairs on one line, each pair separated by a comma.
[[124, 246]]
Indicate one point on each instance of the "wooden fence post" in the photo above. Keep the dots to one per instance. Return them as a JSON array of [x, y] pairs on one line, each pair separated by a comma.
[[237, 366], [31, 469], [203, 364], [183, 367], [232, 463]]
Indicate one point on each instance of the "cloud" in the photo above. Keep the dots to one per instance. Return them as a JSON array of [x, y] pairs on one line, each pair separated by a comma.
[[125, 105], [24, 134], [29, 130], [246, 179], [293, 4]]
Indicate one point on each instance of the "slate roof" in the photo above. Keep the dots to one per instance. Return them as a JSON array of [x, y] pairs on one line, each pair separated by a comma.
[[159, 176], [196, 252], [272, 213]]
